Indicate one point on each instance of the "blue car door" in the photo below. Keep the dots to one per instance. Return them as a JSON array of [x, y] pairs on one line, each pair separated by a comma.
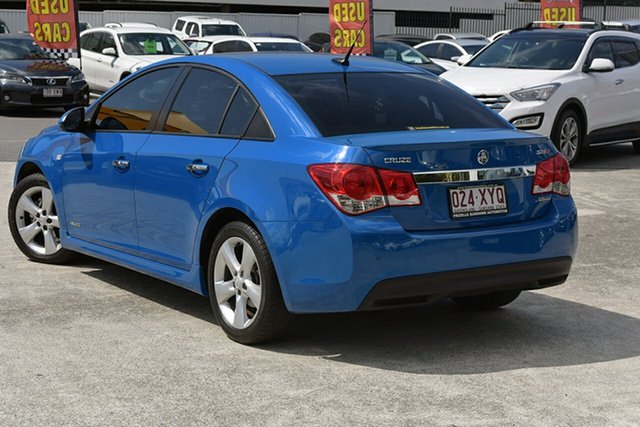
[[99, 165], [177, 166]]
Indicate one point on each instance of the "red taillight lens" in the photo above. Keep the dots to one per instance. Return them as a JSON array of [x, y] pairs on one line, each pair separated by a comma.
[[357, 189], [552, 176]]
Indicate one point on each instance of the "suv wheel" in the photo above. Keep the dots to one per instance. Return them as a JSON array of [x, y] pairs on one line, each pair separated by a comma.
[[568, 135]]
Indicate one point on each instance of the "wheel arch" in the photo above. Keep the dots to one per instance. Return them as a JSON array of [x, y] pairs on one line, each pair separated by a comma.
[[575, 105], [28, 168]]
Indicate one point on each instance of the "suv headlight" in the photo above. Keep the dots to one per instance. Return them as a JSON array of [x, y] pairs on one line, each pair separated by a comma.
[[537, 93], [14, 78], [78, 77]]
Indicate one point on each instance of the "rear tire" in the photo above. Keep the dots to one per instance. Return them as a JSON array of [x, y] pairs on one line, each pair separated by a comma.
[[568, 135], [34, 223], [243, 286], [487, 301]]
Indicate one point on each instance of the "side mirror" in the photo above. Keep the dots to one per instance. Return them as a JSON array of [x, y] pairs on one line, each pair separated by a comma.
[[72, 120], [463, 59], [601, 65], [109, 51]]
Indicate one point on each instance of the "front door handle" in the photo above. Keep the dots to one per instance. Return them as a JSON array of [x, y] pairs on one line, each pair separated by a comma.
[[619, 82], [197, 169], [121, 165]]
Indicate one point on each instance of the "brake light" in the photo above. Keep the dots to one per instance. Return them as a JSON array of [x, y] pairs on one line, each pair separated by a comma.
[[552, 176], [358, 189]]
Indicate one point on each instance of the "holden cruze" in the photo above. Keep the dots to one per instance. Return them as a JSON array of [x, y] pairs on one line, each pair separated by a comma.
[[279, 184]]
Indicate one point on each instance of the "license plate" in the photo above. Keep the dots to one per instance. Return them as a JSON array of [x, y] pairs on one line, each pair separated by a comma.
[[51, 93], [483, 200]]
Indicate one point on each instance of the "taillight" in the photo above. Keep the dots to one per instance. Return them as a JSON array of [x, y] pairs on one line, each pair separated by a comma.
[[552, 176], [357, 189]]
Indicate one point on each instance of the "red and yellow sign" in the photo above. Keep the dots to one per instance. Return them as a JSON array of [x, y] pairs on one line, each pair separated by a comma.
[[351, 24], [560, 10], [54, 25]]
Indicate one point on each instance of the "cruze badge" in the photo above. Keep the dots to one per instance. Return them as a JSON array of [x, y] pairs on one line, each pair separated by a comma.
[[52, 82], [483, 157]]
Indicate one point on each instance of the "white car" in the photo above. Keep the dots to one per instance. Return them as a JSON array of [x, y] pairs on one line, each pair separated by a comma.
[[447, 52], [224, 44], [202, 26], [458, 36], [580, 87], [111, 54]]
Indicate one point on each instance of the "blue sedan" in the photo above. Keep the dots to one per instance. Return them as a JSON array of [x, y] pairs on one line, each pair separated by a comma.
[[281, 184]]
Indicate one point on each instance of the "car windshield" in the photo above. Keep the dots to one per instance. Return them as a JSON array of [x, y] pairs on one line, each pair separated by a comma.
[[197, 45], [400, 52], [280, 47], [540, 53], [152, 44], [356, 103], [13, 49], [221, 30]]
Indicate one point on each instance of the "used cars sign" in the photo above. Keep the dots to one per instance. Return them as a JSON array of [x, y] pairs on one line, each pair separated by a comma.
[[53, 25], [351, 24]]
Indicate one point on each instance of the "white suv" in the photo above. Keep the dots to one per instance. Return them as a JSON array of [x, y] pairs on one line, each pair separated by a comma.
[[580, 87], [111, 54], [202, 26]]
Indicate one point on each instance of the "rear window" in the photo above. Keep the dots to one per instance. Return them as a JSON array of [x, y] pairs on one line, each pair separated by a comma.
[[355, 103], [280, 47], [221, 30]]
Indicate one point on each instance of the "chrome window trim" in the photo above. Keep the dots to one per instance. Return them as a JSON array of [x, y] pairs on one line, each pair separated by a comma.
[[473, 175]]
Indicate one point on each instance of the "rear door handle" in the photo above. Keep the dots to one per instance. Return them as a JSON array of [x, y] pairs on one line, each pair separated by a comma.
[[197, 169], [619, 82]]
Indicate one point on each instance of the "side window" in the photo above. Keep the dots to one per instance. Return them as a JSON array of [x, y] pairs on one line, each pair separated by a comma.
[[625, 53], [132, 106], [600, 49], [91, 42], [200, 104], [430, 50], [449, 52], [179, 25], [192, 29], [240, 113], [108, 41], [259, 128]]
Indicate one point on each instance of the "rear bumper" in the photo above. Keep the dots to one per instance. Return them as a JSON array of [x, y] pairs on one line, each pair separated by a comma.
[[432, 287]]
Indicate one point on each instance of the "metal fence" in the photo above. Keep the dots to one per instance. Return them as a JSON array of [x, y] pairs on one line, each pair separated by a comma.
[[301, 25], [489, 21]]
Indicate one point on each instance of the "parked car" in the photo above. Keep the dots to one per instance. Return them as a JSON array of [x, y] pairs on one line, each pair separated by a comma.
[[31, 77], [272, 34], [410, 39], [275, 44], [317, 41], [459, 36], [201, 26], [111, 54], [297, 183], [220, 44], [82, 25], [3, 27], [577, 86], [401, 52], [446, 53], [130, 25]]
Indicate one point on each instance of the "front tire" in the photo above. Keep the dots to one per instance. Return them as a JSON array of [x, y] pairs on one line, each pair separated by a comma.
[[487, 301], [568, 135], [34, 223], [243, 287]]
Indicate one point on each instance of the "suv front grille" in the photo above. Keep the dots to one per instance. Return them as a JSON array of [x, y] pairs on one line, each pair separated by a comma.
[[495, 102]]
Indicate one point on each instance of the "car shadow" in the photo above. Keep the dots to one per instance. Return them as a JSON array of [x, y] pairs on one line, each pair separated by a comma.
[[536, 330], [620, 156], [33, 112]]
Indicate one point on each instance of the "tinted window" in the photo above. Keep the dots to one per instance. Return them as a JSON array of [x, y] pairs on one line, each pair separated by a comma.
[[91, 42], [232, 46], [384, 102], [3, 28], [108, 41], [132, 106], [241, 111], [259, 128], [449, 52], [221, 30], [192, 29], [280, 47], [430, 50], [537, 51], [473, 49], [200, 103], [600, 49], [625, 53], [179, 25]]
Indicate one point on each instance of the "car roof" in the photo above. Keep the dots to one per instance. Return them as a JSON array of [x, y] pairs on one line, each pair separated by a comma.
[[208, 20], [128, 30], [215, 39], [460, 34], [274, 40], [285, 63]]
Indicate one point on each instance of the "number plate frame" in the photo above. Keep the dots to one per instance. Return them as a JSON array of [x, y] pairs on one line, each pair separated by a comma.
[[52, 93], [494, 194]]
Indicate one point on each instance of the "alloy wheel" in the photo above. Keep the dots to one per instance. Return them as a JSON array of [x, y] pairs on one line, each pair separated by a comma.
[[37, 221], [569, 137]]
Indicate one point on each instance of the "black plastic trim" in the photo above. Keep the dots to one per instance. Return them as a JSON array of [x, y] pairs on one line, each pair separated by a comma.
[[423, 289]]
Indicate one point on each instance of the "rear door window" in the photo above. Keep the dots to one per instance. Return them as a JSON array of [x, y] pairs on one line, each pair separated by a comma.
[[91, 42], [240, 113]]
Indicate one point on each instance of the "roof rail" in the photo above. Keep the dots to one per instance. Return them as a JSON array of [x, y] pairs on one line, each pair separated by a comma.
[[594, 25]]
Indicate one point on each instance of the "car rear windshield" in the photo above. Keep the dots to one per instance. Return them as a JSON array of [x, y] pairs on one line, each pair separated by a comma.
[[356, 103], [280, 47], [221, 30], [538, 52]]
